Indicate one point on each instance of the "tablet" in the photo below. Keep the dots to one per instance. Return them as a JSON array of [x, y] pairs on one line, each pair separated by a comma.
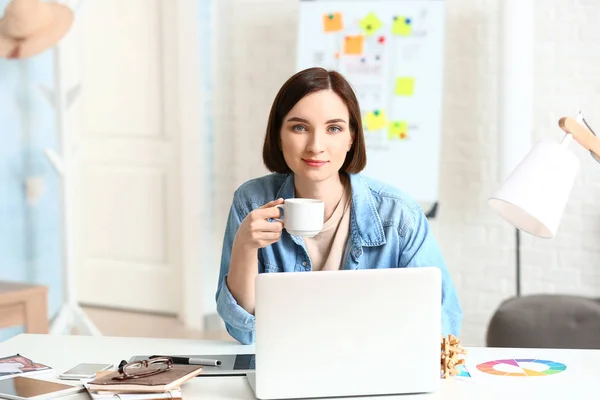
[[24, 388]]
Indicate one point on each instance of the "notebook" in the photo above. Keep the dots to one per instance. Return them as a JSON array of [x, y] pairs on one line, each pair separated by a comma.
[[158, 383], [174, 394]]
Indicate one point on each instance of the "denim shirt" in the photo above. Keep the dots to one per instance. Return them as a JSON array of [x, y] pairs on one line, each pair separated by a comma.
[[387, 230]]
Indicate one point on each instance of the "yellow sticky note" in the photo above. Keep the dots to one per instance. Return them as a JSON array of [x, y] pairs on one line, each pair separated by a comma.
[[370, 24], [333, 22], [405, 86], [398, 130], [354, 44], [376, 120], [402, 26]]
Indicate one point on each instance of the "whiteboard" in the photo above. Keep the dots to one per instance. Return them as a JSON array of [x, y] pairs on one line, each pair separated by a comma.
[[392, 53]]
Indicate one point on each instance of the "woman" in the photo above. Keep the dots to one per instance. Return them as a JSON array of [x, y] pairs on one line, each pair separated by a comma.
[[315, 147]]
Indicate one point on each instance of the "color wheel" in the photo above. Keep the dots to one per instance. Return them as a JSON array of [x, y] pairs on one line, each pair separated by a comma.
[[522, 367]]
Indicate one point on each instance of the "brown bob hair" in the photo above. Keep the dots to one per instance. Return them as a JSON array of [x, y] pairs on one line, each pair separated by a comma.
[[299, 85]]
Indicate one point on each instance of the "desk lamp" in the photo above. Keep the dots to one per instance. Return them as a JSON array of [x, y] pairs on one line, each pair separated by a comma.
[[534, 196]]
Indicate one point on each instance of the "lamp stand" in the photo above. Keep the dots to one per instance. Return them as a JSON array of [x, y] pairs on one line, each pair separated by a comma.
[[518, 263], [70, 315]]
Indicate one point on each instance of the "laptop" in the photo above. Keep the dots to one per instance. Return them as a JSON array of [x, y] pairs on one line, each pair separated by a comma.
[[347, 333]]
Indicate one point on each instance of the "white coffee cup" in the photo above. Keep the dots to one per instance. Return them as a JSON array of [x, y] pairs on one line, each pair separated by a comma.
[[303, 217]]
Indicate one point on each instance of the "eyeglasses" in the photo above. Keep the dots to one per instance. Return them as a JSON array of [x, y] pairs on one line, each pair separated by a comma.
[[140, 369]]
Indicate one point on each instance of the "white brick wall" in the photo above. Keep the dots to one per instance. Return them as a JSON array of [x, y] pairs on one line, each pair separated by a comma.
[[256, 50]]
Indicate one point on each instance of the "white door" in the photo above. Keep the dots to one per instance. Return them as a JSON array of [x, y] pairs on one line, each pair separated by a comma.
[[129, 220]]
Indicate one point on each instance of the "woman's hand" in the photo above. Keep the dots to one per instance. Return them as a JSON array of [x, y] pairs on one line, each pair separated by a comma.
[[256, 231]]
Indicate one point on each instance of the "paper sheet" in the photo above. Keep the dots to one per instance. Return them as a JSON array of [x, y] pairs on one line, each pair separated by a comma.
[[376, 120], [405, 86], [402, 26], [354, 45], [398, 130], [370, 24], [333, 22]]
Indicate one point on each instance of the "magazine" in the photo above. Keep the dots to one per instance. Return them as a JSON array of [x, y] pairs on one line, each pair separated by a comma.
[[20, 365]]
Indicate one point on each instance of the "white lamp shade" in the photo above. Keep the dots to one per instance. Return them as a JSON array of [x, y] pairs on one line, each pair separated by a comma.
[[534, 196]]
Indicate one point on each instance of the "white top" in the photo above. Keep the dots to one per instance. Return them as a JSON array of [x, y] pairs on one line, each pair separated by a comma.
[[326, 249], [578, 381]]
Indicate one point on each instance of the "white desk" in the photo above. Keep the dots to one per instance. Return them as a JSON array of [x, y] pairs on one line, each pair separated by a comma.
[[581, 380]]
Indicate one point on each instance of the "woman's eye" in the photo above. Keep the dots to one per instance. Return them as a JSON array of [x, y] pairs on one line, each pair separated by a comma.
[[335, 129], [298, 128]]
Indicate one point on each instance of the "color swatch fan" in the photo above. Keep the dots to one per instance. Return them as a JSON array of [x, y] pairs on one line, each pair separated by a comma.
[[522, 367]]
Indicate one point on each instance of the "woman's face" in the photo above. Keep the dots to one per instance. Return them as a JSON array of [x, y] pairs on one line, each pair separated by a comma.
[[315, 136]]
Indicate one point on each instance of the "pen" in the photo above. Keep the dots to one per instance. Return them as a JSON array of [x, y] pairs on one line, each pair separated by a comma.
[[193, 361]]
